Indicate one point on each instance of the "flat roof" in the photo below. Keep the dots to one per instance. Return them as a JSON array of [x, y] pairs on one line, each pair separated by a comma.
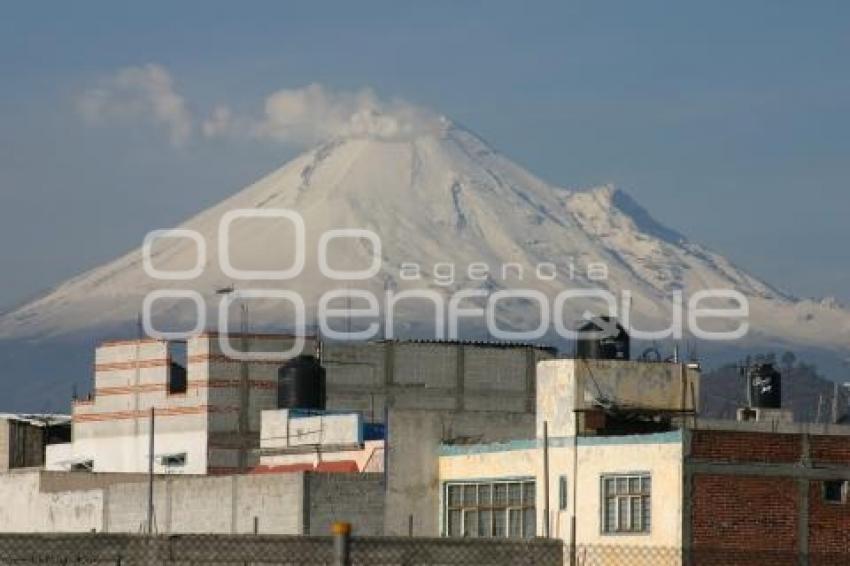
[[781, 427]]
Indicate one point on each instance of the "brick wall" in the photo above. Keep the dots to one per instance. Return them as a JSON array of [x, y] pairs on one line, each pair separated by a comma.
[[758, 491], [829, 523], [745, 513], [830, 449], [736, 446]]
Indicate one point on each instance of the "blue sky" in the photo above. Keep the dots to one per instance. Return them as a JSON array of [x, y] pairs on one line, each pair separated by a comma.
[[727, 120]]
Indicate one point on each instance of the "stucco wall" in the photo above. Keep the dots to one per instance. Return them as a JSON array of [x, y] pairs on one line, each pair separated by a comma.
[[289, 503], [565, 385], [39, 501], [660, 455]]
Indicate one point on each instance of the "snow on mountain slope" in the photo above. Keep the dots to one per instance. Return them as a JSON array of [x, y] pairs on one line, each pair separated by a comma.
[[439, 198]]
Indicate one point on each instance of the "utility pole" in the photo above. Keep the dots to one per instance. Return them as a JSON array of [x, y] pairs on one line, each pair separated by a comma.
[[835, 403], [573, 553], [546, 479], [150, 473]]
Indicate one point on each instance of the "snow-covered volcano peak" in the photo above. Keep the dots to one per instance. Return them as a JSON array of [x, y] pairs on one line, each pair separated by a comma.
[[436, 197]]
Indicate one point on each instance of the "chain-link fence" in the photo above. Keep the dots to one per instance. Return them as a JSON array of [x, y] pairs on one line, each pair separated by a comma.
[[114, 549], [624, 555], [117, 549]]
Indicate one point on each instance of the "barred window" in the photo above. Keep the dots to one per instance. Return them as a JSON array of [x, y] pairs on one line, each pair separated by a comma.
[[490, 509], [626, 503]]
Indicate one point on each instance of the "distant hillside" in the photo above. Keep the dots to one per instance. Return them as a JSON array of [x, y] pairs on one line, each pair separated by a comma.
[[804, 391]]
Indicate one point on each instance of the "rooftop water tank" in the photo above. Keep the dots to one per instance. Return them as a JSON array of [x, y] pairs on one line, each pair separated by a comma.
[[765, 385], [602, 338], [301, 384]]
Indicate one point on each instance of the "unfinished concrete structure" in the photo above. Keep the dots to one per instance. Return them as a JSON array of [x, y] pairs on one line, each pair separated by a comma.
[[431, 375], [206, 407]]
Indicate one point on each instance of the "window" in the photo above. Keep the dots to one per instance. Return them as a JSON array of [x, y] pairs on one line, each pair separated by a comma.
[[173, 460], [490, 509], [562, 493], [178, 362], [177, 382], [835, 491], [626, 503], [82, 466]]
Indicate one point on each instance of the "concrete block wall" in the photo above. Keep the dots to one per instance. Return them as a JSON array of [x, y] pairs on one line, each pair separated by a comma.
[[442, 376], [225, 504], [233, 438], [353, 498]]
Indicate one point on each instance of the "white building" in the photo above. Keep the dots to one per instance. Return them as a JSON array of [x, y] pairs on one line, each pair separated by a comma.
[[206, 407]]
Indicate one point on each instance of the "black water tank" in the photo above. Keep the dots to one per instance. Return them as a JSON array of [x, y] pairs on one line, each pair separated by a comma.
[[597, 342], [765, 386], [301, 384]]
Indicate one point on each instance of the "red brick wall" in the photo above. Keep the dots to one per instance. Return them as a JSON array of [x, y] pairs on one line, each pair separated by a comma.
[[830, 449], [749, 513], [731, 446], [744, 513], [829, 523]]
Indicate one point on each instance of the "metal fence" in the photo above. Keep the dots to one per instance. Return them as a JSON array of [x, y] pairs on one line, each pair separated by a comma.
[[114, 549], [117, 549], [623, 555]]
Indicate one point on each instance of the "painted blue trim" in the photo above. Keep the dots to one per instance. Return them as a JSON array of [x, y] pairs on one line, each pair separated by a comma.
[[671, 437], [468, 449]]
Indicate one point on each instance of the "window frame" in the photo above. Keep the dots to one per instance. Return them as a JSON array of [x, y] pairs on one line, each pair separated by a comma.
[[174, 461], [844, 490], [628, 496], [500, 514]]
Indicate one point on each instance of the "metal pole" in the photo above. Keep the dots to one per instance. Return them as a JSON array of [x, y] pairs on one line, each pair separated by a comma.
[[150, 473], [546, 479], [341, 536], [575, 491]]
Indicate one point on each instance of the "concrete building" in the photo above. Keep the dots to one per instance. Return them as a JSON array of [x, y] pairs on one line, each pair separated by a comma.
[[441, 439], [628, 463], [206, 407]]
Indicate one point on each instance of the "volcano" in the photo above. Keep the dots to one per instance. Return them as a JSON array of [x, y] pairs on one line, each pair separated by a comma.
[[452, 214]]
